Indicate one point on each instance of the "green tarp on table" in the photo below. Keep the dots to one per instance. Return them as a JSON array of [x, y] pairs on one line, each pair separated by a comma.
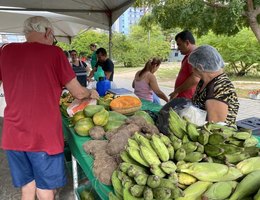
[[85, 161]]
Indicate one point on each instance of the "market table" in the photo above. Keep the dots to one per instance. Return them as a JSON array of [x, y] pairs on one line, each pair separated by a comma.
[[86, 161]]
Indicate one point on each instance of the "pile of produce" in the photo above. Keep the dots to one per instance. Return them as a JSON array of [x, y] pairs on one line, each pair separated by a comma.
[[107, 152], [94, 120], [65, 100], [209, 162]]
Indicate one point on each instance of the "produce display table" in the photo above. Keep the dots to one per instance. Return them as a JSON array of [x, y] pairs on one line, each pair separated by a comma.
[[86, 161]]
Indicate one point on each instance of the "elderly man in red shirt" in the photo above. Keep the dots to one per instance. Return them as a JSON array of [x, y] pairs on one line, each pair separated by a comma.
[[186, 81], [32, 132]]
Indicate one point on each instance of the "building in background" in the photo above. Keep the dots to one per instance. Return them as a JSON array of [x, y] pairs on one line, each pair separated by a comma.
[[130, 17], [8, 38]]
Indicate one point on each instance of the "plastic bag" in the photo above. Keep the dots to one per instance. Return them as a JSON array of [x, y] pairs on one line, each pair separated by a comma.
[[176, 104], [78, 105], [193, 114], [99, 73]]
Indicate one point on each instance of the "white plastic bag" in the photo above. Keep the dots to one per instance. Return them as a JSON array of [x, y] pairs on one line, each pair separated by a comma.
[[2, 101], [78, 105], [193, 114]]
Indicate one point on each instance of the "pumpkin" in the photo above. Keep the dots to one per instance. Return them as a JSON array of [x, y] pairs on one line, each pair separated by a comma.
[[126, 104], [101, 117], [83, 126], [91, 110]]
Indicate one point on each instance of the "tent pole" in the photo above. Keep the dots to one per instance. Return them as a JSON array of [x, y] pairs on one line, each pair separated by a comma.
[[110, 37]]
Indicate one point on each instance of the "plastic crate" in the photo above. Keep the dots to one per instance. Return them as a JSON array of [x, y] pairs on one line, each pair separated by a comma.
[[252, 123], [87, 187]]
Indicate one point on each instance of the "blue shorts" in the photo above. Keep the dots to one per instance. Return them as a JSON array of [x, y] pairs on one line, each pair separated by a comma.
[[48, 171]]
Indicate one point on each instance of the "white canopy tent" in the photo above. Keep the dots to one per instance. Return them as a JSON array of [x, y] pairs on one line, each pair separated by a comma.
[[68, 16]]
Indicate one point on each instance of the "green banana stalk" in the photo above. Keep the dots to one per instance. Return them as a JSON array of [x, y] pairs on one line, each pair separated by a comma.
[[148, 156], [242, 135], [171, 151], [132, 143], [141, 178], [165, 139], [124, 166], [160, 148], [156, 170], [212, 150], [194, 157], [135, 154], [203, 137], [117, 185], [236, 157], [148, 193], [162, 193], [153, 181], [216, 139], [192, 132], [137, 190], [250, 142], [124, 155], [190, 146], [168, 167], [180, 154]]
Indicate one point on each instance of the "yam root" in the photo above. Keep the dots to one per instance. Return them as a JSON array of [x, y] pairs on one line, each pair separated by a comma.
[[97, 132], [104, 166], [141, 122], [119, 140], [94, 146]]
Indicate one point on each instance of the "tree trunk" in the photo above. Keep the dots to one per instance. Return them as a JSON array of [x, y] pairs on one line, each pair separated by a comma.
[[254, 27], [252, 18]]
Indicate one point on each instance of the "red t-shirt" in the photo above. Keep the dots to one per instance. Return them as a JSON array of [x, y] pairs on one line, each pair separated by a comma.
[[185, 72], [33, 75]]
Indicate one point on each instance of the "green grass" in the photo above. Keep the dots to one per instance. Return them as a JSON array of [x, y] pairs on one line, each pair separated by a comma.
[[169, 71]]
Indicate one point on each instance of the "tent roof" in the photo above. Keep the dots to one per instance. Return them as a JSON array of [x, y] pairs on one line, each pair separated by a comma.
[[75, 14]]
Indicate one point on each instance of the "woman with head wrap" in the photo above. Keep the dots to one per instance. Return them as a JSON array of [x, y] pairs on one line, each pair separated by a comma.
[[215, 93]]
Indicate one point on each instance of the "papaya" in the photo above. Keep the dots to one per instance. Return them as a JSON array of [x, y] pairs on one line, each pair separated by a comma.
[[91, 110], [115, 116], [101, 117], [77, 116], [144, 115], [83, 126], [112, 125]]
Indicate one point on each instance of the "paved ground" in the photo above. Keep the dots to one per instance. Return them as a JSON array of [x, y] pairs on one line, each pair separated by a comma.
[[248, 108]]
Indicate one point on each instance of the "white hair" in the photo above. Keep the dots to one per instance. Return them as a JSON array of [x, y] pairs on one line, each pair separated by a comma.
[[37, 23], [206, 58]]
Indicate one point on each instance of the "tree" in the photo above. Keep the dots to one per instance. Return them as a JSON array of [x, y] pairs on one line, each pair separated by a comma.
[[225, 17], [136, 49], [82, 41], [241, 52]]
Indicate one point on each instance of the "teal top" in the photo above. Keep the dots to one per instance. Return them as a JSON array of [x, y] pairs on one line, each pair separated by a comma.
[[93, 59]]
